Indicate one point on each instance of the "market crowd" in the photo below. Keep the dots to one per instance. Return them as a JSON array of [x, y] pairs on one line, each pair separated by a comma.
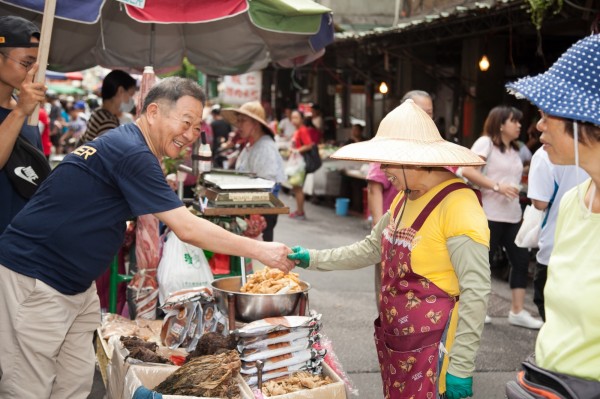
[[442, 213]]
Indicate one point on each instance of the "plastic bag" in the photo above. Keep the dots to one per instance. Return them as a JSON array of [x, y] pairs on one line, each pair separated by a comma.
[[182, 266], [529, 233], [147, 253], [295, 169]]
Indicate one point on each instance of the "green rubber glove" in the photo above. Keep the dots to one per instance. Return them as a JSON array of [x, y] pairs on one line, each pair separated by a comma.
[[457, 388], [300, 256]]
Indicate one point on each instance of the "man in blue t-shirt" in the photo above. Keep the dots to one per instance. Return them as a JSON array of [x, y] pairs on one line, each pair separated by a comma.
[[66, 236], [19, 40]]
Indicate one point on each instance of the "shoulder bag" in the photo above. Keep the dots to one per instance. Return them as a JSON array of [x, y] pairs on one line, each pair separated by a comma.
[[312, 159], [26, 168], [535, 382]]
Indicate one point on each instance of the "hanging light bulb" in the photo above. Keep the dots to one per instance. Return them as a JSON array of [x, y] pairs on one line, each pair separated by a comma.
[[383, 88], [484, 63]]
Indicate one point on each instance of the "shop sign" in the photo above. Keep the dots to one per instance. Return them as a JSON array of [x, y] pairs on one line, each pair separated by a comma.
[[239, 89]]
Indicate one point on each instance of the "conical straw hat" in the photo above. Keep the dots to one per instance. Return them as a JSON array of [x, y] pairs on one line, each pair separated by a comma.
[[408, 136]]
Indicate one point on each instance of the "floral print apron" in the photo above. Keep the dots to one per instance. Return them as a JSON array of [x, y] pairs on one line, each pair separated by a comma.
[[414, 314]]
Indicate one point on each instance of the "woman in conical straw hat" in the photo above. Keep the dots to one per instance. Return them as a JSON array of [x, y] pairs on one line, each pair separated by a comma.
[[568, 97], [260, 155], [433, 246]]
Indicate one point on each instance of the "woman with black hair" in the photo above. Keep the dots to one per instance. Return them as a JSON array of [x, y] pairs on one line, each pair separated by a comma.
[[499, 181], [118, 88]]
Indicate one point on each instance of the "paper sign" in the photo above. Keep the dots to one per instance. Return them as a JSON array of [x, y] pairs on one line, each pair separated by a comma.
[[240, 89]]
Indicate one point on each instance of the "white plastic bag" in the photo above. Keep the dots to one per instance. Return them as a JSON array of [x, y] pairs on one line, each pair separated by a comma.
[[295, 169], [181, 266], [529, 233]]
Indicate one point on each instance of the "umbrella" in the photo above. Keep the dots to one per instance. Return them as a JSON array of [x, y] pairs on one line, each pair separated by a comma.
[[64, 75], [224, 37]]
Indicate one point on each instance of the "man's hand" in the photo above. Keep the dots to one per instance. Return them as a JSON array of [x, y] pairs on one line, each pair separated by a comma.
[[275, 255], [458, 388], [30, 94], [301, 257]]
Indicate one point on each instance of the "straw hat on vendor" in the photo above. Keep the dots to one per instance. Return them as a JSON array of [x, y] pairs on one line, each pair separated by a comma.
[[251, 111], [408, 139], [260, 156], [433, 246]]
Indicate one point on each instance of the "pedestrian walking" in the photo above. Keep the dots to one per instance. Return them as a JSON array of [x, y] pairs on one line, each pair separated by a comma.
[[547, 185], [499, 182], [301, 142], [433, 247]]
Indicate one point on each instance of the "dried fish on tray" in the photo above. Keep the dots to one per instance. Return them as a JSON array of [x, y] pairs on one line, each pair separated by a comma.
[[211, 376]]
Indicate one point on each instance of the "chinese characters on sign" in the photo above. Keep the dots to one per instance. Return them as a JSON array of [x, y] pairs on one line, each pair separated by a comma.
[[239, 89]]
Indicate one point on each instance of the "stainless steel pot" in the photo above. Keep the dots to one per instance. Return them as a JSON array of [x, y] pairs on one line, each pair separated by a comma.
[[251, 307]]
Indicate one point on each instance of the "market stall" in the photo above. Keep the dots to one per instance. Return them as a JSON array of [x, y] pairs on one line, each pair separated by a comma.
[[210, 346]]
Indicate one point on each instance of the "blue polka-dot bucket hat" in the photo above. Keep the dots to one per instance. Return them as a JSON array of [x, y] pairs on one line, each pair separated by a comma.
[[571, 87]]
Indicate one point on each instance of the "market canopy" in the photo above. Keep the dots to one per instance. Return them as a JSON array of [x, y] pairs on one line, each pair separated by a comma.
[[64, 75], [65, 89], [225, 37]]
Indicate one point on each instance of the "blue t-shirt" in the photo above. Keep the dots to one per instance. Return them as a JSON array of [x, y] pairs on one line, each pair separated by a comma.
[[74, 225], [10, 201]]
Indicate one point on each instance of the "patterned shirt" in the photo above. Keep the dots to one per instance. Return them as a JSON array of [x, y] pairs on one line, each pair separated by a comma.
[[100, 122]]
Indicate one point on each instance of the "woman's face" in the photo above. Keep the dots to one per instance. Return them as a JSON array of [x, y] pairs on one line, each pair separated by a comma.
[[557, 142], [246, 125], [395, 175], [296, 119], [511, 128]]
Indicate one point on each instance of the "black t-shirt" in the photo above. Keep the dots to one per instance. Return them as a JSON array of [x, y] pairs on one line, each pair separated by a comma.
[[221, 129]]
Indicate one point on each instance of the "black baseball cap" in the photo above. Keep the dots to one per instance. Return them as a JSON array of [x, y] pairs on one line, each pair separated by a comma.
[[17, 32]]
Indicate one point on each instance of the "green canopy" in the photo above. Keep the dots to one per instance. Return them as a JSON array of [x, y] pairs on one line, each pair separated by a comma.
[[290, 16], [66, 89]]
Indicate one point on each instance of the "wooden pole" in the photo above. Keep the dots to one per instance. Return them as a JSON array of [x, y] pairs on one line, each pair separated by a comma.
[[43, 51]]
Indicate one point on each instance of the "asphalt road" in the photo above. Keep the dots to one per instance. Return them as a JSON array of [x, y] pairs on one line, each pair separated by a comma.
[[346, 301]]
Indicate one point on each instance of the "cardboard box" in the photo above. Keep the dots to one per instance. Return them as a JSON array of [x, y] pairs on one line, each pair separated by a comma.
[[336, 390], [103, 354], [151, 376]]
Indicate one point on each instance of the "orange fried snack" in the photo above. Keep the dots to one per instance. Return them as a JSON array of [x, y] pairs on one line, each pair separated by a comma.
[[271, 281]]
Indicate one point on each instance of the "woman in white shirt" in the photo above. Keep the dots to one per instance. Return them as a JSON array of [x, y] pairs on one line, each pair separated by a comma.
[[499, 181]]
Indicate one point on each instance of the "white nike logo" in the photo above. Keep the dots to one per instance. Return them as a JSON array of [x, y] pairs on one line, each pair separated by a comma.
[[26, 173]]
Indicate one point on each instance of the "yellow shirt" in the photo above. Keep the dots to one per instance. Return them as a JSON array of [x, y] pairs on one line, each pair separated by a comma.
[[457, 219], [569, 341], [458, 214]]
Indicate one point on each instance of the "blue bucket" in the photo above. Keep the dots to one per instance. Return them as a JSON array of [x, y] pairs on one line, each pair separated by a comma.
[[341, 206]]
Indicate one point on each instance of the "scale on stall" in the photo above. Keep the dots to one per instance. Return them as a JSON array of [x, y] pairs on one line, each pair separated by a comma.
[[228, 193]]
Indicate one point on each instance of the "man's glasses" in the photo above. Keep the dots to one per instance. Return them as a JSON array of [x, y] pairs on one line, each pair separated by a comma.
[[25, 64]]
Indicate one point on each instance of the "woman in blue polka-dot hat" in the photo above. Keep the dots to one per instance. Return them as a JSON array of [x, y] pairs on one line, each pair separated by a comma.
[[568, 97]]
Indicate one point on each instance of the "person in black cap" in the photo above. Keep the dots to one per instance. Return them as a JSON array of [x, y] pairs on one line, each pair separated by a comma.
[[19, 40]]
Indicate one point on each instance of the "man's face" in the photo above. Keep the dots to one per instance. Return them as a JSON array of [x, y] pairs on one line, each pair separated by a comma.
[[177, 126], [425, 104], [15, 63]]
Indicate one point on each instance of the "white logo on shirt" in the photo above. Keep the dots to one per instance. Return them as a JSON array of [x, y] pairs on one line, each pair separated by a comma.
[[26, 173]]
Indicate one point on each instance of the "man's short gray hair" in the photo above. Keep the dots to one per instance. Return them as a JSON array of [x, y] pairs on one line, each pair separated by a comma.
[[171, 89], [415, 93]]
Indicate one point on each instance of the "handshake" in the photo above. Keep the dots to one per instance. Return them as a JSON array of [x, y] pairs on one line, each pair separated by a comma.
[[300, 256]]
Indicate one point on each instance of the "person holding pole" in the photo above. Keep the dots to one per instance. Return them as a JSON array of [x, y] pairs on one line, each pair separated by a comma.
[[19, 40]]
